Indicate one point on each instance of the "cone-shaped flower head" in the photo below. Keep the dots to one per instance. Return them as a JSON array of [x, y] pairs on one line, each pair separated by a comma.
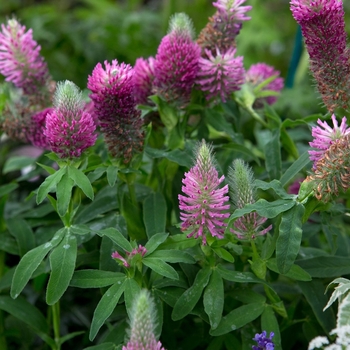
[[224, 26], [176, 63], [258, 73], [324, 136], [143, 324], [242, 192], [20, 60], [143, 79], [264, 342], [69, 128], [220, 75], [112, 93], [203, 208], [323, 28]]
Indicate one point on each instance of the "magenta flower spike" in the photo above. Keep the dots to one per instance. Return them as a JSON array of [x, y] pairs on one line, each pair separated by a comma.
[[129, 255], [324, 136], [112, 90], [323, 28], [258, 73], [177, 62], [20, 60], [204, 205], [143, 79], [69, 128], [142, 324], [220, 75]]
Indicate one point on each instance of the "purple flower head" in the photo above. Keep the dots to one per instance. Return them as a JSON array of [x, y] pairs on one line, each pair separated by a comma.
[[112, 90], [258, 73], [323, 27], [142, 324], [69, 128], [203, 208], [324, 136], [129, 255], [220, 75], [143, 79], [176, 64], [36, 129], [242, 193], [263, 342], [20, 60]]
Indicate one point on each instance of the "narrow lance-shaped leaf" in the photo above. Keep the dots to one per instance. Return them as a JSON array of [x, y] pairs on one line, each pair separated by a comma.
[[154, 214], [49, 184], [82, 181], [64, 193], [160, 267]]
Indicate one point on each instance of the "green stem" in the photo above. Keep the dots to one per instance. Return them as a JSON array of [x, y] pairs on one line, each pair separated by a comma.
[[56, 324], [3, 344], [256, 116], [132, 193], [255, 251]]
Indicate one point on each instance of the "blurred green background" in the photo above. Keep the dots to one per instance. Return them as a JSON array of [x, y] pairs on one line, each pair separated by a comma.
[[75, 35]]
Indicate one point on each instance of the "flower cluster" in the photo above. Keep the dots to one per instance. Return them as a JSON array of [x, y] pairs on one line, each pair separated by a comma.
[[112, 90], [143, 79], [204, 206], [129, 255], [142, 324], [69, 128], [263, 342], [323, 27]]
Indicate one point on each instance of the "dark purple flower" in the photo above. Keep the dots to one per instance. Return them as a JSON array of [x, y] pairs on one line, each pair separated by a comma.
[[143, 79], [323, 27], [263, 342], [69, 128], [20, 60], [36, 128], [203, 209], [258, 73], [221, 74], [113, 96]]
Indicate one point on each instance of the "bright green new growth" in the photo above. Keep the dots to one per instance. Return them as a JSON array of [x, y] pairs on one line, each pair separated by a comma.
[[67, 96], [181, 23], [241, 181]]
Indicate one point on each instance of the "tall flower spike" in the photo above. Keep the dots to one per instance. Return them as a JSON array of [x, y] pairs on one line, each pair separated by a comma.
[[176, 63], [263, 342], [224, 26], [242, 192], [220, 75], [112, 93], [324, 136], [203, 208], [143, 79], [20, 60], [257, 74], [142, 324], [323, 27], [69, 128]]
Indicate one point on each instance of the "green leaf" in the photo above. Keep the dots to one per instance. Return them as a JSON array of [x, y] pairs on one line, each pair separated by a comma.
[[289, 144], [64, 193], [8, 188], [179, 242], [343, 318], [213, 299], [23, 233], [62, 262], [105, 307], [326, 266], [270, 324], [190, 297], [242, 151], [17, 163], [178, 156], [49, 184], [155, 241], [116, 237], [224, 254], [274, 185], [95, 278], [273, 155], [289, 240], [154, 214], [131, 292], [173, 256], [161, 267], [238, 318], [24, 311], [237, 276], [339, 291], [167, 114], [295, 168], [313, 292], [82, 181], [31, 261], [295, 272]]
